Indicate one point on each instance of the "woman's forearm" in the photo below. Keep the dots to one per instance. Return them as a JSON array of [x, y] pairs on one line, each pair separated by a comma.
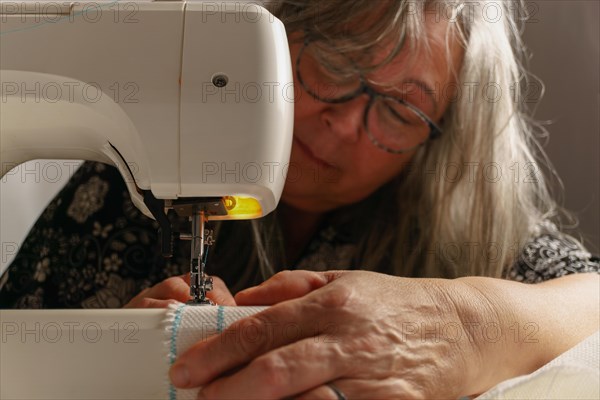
[[524, 326]]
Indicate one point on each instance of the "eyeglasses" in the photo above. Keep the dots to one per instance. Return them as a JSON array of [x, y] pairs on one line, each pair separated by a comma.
[[391, 123]]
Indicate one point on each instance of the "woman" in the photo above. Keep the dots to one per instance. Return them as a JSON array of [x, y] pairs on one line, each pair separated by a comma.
[[416, 163]]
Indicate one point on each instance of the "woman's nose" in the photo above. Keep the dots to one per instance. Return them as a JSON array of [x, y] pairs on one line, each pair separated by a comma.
[[346, 119]]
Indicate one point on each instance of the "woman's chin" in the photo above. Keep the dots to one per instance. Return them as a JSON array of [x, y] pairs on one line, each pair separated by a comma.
[[305, 203]]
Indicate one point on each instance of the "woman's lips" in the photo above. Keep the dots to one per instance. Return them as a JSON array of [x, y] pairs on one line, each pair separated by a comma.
[[312, 156]]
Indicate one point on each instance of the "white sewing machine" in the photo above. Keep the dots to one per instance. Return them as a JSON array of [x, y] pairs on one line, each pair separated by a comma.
[[191, 100]]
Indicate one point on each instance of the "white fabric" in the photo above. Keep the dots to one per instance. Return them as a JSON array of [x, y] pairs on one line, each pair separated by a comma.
[[186, 325], [83, 354], [125, 354], [573, 375]]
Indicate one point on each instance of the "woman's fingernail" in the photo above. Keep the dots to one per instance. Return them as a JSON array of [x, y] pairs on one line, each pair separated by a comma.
[[180, 376]]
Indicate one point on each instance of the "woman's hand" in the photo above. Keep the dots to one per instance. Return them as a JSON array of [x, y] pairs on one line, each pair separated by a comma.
[[371, 335], [177, 289]]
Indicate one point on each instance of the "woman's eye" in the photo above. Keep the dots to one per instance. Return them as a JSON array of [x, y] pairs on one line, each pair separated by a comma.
[[397, 113], [338, 74], [335, 66]]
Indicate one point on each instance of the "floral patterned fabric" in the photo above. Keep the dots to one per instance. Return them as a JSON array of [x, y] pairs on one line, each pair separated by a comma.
[[60, 266], [547, 257], [92, 248]]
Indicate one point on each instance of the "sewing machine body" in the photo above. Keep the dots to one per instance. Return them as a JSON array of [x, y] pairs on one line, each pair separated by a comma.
[[189, 99]]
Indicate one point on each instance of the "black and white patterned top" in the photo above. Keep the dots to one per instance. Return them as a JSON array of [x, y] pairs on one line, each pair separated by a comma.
[[548, 256], [92, 248]]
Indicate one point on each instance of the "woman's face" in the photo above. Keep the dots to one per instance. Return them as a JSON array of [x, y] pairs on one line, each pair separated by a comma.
[[333, 161]]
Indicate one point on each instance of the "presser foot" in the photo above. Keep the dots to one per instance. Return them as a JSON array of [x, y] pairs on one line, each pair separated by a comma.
[[200, 282], [200, 302], [198, 292]]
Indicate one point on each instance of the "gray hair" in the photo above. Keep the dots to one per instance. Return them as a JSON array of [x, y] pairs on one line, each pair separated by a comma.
[[430, 223]]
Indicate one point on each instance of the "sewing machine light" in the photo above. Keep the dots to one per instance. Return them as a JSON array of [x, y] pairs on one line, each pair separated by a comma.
[[239, 207]]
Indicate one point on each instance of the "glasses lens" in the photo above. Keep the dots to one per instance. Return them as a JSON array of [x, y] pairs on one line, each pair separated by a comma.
[[326, 73], [395, 125]]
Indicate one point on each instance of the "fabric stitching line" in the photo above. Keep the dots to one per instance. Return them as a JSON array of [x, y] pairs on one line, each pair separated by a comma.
[[220, 318], [173, 346]]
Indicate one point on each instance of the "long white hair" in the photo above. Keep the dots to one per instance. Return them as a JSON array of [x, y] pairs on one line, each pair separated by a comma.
[[470, 199]]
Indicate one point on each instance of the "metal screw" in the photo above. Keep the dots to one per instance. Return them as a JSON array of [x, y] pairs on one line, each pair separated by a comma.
[[220, 81]]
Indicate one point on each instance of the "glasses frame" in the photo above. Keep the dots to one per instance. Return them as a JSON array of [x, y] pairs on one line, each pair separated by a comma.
[[434, 129]]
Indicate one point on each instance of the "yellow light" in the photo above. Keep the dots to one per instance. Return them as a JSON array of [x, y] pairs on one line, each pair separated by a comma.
[[240, 208]]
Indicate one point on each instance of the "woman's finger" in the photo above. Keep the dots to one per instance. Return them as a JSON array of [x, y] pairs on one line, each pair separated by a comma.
[[248, 338], [285, 371], [285, 285], [324, 392], [174, 288], [220, 293], [360, 389], [148, 302], [177, 289]]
